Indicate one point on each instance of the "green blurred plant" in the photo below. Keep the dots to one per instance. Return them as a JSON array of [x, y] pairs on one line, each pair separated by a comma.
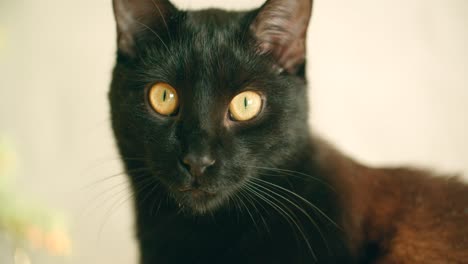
[[24, 220]]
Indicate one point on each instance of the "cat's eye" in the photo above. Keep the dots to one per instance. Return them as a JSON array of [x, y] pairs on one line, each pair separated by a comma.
[[245, 106], [163, 99]]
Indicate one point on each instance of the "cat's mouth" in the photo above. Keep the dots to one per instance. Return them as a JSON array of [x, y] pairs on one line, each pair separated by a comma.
[[197, 193], [198, 199]]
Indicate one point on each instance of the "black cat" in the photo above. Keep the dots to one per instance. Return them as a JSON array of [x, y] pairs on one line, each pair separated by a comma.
[[209, 109]]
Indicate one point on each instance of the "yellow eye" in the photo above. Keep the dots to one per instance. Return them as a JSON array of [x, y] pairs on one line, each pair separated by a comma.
[[245, 106], [163, 99]]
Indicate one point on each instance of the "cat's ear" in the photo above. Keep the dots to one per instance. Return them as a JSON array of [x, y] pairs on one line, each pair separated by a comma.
[[280, 28], [134, 17]]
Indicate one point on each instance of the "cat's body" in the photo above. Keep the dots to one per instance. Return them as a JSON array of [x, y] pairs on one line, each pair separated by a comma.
[[210, 188], [400, 215]]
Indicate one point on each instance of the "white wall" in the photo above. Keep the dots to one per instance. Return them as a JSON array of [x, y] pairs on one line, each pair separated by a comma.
[[389, 84]]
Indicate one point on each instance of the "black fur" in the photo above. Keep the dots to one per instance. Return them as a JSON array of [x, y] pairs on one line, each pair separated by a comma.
[[209, 56]]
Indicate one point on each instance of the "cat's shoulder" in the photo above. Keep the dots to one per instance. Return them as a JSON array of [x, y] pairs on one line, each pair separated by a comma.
[[403, 214], [424, 216]]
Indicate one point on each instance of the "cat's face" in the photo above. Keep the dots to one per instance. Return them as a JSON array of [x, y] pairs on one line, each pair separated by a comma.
[[175, 110]]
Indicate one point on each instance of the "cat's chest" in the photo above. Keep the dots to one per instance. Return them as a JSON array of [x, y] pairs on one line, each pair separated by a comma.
[[238, 239]]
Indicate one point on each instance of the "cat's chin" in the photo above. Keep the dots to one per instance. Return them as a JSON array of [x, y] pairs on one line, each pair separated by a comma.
[[199, 202]]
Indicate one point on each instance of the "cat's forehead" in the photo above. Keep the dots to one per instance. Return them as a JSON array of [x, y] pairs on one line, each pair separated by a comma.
[[208, 54], [210, 47]]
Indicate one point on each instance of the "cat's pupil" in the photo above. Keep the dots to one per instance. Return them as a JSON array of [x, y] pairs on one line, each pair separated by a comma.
[[164, 95], [245, 102]]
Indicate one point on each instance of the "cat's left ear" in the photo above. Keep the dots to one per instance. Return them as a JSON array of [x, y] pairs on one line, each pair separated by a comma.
[[136, 17], [280, 28]]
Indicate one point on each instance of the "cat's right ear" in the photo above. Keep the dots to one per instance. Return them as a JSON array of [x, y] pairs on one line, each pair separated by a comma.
[[134, 17]]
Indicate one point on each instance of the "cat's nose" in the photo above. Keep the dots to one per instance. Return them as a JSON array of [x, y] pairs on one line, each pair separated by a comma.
[[197, 164]]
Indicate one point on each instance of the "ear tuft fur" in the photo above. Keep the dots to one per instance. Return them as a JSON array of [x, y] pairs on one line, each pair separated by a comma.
[[280, 28]]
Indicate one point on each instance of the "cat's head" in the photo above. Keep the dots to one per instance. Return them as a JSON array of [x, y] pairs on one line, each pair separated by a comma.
[[202, 100]]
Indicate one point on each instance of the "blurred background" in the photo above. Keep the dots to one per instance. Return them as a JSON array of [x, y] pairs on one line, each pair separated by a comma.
[[388, 85]]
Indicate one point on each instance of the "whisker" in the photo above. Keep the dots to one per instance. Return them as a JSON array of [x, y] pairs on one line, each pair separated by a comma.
[[239, 201], [153, 206], [147, 183], [148, 194], [300, 209], [156, 199], [89, 185], [301, 198], [296, 174], [86, 210], [99, 162], [236, 204], [270, 203], [252, 201], [248, 211], [109, 212], [108, 191], [299, 228], [101, 194]]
